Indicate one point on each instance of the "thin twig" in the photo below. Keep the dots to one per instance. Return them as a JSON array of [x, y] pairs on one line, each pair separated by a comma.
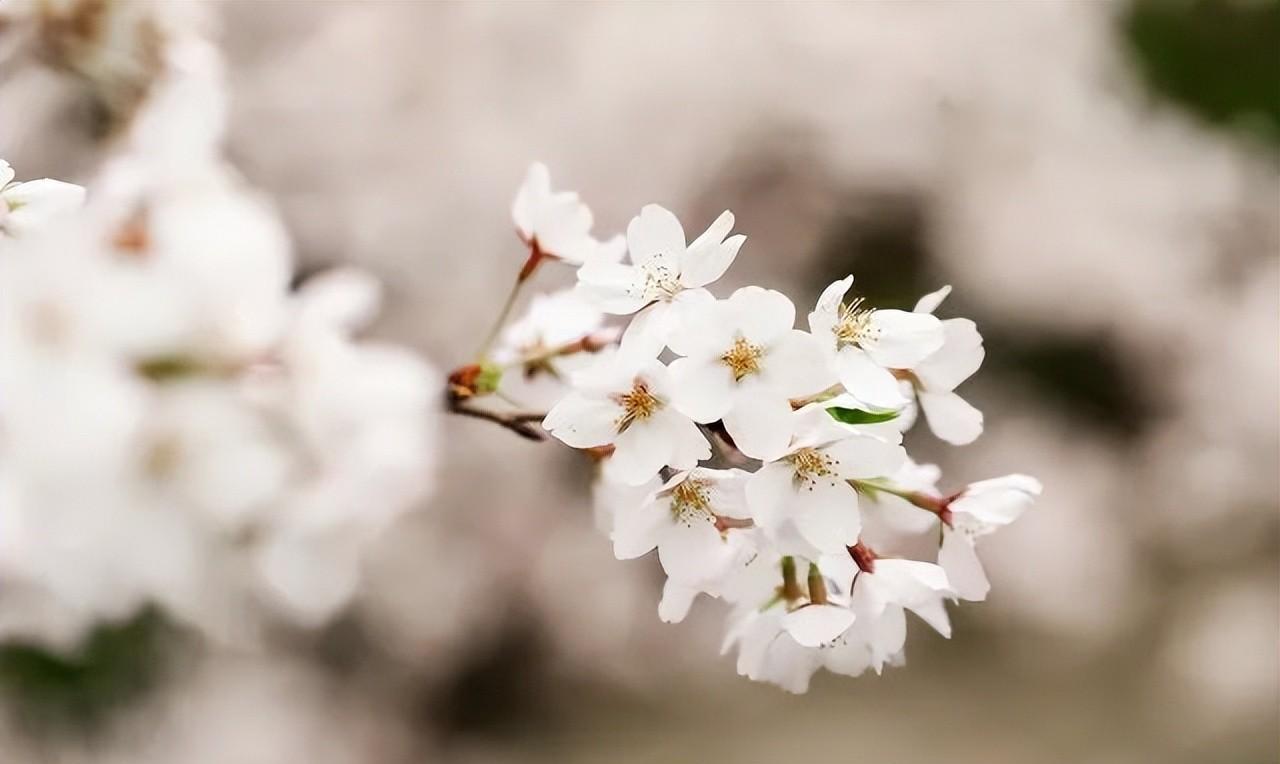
[[522, 423]]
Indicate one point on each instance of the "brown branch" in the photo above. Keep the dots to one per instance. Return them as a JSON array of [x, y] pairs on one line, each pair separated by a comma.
[[522, 423]]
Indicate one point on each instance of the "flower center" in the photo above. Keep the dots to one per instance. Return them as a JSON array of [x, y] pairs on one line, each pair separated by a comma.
[[812, 465], [660, 281], [691, 502], [743, 358], [853, 326], [637, 405]]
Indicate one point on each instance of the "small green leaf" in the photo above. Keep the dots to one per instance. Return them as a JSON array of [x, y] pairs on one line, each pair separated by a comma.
[[858, 416], [489, 378]]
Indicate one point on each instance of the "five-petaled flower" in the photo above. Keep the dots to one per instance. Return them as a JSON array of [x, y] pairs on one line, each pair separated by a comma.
[[867, 344], [804, 500], [743, 363], [625, 401], [665, 277]]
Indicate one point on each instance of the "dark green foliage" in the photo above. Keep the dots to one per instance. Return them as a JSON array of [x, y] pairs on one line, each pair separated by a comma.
[[1220, 59], [115, 664]]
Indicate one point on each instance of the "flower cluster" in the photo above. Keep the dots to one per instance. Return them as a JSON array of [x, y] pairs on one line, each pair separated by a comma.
[[179, 425], [763, 462]]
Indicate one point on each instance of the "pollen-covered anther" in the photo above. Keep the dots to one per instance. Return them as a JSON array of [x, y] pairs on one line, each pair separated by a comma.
[[691, 502], [660, 282], [812, 465], [853, 327], [637, 405], [743, 358]]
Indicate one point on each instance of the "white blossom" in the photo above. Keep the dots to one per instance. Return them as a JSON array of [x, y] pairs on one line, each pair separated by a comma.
[[867, 344], [743, 363], [682, 519], [555, 338], [27, 206], [665, 277], [554, 223], [624, 400], [980, 509], [804, 500]]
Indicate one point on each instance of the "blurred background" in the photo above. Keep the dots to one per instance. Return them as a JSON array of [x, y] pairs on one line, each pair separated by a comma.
[[1099, 181]]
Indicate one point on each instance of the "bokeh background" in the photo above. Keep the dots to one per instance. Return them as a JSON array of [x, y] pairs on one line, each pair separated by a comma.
[[1099, 181]]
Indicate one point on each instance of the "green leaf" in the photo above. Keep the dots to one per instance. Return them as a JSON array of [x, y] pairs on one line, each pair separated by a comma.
[[489, 378], [858, 416]]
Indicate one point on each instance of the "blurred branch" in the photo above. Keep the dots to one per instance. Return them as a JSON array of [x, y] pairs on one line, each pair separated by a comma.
[[522, 423]]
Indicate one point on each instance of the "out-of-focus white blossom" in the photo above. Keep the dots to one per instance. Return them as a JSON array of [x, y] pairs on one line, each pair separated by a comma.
[[178, 426], [556, 338], [28, 205]]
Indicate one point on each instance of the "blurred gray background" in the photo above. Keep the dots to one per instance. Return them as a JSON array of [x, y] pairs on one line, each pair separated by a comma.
[[1099, 181]]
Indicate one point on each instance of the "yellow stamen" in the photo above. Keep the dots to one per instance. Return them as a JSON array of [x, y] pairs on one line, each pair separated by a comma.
[[743, 358], [853, 327], [637, 405], [811, 465], [691, 502]]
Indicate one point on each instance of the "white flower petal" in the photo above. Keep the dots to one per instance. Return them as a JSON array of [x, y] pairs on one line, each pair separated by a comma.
[[930, 302], [816, 625], [959, 559], [825, 314], [796, 366], [886, 638], [998, 501], [654, 231], [760, 424], [610, 286], [582, 422], [688, 445], [710, 255], [637, 529], [760, 315], [647, 333], [536, 186], [703, 388], [866, 456], [826, 515], [769, 493], [6, 174], [959, 357], [693, 551], [639, 453], [903, 339], [561, 226], [676, 600], [850, 657], [35, 203], [867, 381], [951, 417]]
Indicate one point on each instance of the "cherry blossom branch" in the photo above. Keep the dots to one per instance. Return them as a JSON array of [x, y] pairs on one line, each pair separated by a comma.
[[523, 423]]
